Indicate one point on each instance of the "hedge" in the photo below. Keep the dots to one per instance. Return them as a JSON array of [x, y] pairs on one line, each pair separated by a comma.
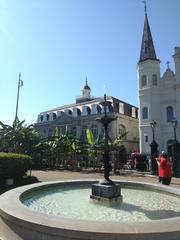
[[13, 165]]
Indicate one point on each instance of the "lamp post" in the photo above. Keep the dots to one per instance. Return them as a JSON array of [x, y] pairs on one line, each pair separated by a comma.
[[154, 149], [20, 84], [153, 125], [174, 146], [174, 125]]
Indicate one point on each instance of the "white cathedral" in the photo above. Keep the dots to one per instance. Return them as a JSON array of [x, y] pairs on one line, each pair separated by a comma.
[[159, 96]]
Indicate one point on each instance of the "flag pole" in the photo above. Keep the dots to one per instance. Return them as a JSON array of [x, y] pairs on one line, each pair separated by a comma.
[[20, 83]]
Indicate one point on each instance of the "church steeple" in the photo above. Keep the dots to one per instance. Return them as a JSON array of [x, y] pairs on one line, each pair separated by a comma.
[[147, 46]]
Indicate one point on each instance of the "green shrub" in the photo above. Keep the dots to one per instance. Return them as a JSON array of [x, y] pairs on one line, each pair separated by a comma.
[[13, 165]]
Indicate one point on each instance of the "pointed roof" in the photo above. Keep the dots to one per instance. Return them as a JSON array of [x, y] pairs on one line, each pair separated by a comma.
[[147, 46], [86, 86]]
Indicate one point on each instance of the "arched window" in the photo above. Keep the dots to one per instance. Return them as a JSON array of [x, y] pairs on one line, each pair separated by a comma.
[[154, 80], [74, 131], [94, 130], [78, 112], [99, 109], [50, 132], [54, 116], [83, 133], [122, 129], [69, 112], [110, 108], [41, 118], [62, 130], [88, 111], [47, 117], [44, 132], [145, 113], [169, 113], [144, 81]]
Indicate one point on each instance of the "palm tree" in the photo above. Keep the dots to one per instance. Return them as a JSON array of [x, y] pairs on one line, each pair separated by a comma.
[[18, 138], [95, 147]]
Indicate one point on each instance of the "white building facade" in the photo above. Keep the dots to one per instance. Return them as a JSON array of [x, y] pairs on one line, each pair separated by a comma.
[[79, 116], [159, 96]]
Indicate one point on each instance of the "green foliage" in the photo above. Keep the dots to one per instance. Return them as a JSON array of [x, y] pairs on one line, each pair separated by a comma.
[[120, 139], [13, 165], [18, 138], [90, 136]]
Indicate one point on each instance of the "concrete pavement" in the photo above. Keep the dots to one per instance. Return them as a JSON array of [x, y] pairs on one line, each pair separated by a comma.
[[56, 175]]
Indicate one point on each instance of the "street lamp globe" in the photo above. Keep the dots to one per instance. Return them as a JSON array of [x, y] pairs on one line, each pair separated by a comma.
[[174, 125], [153, 124], [174, 122]]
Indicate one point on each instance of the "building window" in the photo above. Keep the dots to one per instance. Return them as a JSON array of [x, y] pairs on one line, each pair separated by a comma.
[[122, 129], [169, 113], [110, 108], [70, 112], [94, 130], [54, 116], [154, 80], [83, 134], [50, 132], [78, 112], [99, 109], [121, 108], [88, 111], [41, 118], [133, 112], [47, 117], [145, 138], [144, 81], [73, 131], [62, 130], [145, 113]]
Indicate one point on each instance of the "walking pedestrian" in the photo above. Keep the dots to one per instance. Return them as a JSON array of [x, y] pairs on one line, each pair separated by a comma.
[[165, 169]]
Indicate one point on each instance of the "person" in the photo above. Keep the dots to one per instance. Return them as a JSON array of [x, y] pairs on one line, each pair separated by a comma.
[[165, 169], [158, 163], [134, 158]]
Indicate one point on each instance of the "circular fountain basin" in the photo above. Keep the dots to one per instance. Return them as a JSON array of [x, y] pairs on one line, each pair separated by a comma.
[[23, 209]]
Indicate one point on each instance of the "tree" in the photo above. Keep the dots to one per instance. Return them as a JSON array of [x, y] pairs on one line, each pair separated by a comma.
[[96, 146], [18, 138]]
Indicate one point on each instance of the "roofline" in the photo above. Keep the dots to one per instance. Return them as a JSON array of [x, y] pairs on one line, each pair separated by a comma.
[[86, 103]]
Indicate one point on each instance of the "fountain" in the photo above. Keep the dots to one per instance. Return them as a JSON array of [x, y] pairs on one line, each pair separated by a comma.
[[22, 211], [63, 211], [106, 191]]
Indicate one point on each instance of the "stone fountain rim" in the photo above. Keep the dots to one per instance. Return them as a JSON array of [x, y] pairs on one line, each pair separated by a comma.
[[13, 211]]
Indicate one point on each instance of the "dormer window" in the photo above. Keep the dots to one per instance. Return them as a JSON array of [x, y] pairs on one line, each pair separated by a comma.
[[54, 116], [121, 108], [88, 111]]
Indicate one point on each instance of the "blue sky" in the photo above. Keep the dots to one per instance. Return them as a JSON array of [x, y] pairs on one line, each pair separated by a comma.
[[55, 44]]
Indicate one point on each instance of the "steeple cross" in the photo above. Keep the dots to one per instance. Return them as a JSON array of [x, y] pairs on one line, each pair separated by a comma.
[[145, 6]]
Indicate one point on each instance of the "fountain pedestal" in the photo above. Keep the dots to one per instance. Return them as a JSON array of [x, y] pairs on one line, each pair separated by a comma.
[[106, 194]]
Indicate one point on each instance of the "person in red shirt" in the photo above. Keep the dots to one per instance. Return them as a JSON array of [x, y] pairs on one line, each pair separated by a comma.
[[165, 169]]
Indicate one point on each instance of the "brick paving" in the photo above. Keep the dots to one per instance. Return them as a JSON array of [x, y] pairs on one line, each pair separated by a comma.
[[45, 176]]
